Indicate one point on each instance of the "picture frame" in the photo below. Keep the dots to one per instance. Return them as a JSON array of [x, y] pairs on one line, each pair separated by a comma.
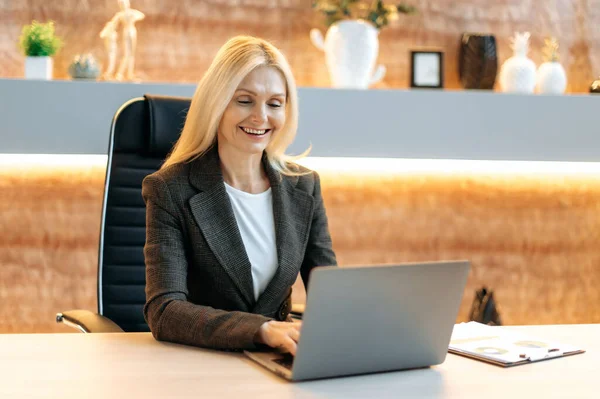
[[427, 69]]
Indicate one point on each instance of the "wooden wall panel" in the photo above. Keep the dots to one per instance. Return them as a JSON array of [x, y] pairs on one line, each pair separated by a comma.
[[533, 240], [49, 234], [178, 39]]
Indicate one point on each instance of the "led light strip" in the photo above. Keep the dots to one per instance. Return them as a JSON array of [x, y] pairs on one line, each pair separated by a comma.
[[383, 166], [52, 160], [370, 166]]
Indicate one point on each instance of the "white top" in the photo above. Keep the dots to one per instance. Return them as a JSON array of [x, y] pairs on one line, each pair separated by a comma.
[[254, 217]]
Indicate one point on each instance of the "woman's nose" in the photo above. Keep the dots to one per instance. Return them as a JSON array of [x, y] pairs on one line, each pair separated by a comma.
[[259, 115]]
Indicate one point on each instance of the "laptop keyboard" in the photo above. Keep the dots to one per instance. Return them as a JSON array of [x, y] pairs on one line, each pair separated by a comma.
[[286, 361]]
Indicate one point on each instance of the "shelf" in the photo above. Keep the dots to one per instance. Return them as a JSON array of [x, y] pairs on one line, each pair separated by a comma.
[[74, 117]]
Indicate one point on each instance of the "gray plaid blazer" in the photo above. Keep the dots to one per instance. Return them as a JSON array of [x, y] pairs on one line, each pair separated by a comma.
[[198, 276]]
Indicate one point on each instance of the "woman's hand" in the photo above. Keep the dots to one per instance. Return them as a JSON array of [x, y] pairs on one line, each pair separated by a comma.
[[279, 335]]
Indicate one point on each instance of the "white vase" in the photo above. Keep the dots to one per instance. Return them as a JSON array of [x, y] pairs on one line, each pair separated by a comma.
[[551, 78], [517, 74], [351, 48], [38, 68]]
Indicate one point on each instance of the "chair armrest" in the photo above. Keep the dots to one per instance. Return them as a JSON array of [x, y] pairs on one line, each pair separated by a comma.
[[297, 310], [88, 322]]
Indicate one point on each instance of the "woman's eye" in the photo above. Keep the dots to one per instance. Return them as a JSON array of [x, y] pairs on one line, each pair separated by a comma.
[[246, 102]]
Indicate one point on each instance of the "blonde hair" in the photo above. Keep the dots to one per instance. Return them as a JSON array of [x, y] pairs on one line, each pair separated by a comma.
[[236, 59]]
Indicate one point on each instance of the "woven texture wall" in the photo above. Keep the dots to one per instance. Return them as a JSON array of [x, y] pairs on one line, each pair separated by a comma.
[[533, 240], [178, 39]]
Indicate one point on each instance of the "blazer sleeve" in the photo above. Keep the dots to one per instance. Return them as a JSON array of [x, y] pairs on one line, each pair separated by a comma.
[[170, 316], [319, 250]]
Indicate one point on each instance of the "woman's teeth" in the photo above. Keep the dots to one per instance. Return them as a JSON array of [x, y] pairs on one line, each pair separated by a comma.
[[255, 131]]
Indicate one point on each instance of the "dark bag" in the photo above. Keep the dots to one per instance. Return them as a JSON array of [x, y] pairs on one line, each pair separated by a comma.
[[484, 309]]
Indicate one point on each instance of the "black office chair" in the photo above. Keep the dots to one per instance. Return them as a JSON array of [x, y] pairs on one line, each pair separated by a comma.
[[143, 131]]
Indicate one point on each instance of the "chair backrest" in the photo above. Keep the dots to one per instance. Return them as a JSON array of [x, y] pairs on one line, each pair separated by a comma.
[[142, 134]]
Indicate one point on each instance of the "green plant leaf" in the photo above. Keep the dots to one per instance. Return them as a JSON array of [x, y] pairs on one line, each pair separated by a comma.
[[374, 11], [406, 9], [332, 19], [39, 40]]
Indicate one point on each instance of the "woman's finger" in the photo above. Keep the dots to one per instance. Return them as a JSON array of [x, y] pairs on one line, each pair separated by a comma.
[[294, 334], [289, 345]]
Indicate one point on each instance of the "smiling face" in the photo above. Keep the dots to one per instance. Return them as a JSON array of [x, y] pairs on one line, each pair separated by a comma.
[[255, 113]]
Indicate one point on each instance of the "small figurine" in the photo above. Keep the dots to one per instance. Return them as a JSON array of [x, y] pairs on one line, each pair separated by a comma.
[[127, 17], [110, 36], [551, 76]]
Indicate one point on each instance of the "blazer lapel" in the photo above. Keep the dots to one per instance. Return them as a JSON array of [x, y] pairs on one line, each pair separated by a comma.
[[292, 212], [214, 215]]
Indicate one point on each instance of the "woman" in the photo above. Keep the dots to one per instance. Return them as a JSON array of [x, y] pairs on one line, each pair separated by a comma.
[[230, 220]]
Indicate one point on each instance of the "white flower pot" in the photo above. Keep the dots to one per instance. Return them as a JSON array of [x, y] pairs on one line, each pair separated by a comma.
[[38, 68], [351, 48], [551, 78]]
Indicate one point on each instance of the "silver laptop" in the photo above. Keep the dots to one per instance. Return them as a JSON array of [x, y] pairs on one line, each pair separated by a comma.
[[361, 320]]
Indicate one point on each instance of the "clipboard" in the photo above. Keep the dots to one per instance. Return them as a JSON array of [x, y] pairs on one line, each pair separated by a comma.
[[504, 348]]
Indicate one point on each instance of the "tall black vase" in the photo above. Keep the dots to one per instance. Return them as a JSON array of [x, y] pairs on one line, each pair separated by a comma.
[[478, 61]]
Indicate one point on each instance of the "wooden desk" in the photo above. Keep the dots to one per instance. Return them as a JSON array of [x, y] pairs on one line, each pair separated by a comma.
[[137, 366]]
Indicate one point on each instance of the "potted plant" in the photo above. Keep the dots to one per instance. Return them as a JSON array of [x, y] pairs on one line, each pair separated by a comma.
[[351, 44], [39, 43]]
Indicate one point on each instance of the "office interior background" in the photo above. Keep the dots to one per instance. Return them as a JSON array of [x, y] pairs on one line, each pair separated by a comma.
[[528, 220]]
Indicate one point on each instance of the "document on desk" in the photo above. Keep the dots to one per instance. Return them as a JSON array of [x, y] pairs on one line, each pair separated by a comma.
[[504, 347]]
